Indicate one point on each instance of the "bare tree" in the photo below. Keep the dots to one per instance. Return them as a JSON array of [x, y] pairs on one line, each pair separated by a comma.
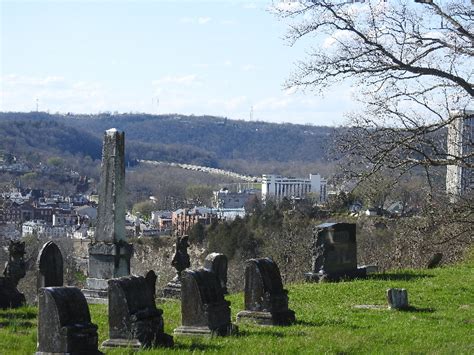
[[411, 64]]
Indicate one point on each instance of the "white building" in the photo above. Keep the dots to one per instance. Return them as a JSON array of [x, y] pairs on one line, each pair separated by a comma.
[[278, 187], [460, 179], [43, 229]]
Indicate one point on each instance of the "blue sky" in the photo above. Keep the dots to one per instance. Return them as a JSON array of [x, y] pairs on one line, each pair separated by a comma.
[[189, 57]]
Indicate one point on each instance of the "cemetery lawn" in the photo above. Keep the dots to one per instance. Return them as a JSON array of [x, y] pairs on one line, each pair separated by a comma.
[[440, 320]]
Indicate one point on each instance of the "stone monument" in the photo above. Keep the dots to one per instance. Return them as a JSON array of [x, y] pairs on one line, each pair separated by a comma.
[[266, 302], [180, 262], [15, 269], [217, 263], [64, 322], [204, 311], [109, 253], [50, 266], [334, 253], [134, 320]]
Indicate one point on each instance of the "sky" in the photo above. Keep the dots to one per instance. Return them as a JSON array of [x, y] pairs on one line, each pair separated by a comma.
[[222, 58]]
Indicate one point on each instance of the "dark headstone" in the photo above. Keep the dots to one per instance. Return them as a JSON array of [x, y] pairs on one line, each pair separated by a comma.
[[435, 261], [50, 266], [15, 269], [150, 279], [109, 253], [180, 262], [266, 302], [134, 320], [204, 311], [64, 322], [397, 298], [334, 253], [217, 263]]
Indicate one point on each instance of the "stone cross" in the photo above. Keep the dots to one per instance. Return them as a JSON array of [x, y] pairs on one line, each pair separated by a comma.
[[109, 254], [334, 253], [64, 322], [217, 263], [134, 320], [50, 266], [266, 302], [204, 311]]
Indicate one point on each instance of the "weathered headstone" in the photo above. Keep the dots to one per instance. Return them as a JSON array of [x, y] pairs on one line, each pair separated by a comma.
[[64, 322], [435, 260], [266, 302], [150, 279], [50, 266], [397, 298], [217, 263], [110, 253], [180, 262], [134, 320], [15, 269], [334, 253], [204, 311]]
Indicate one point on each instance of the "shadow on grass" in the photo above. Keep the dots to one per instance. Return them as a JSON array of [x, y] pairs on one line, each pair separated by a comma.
[[261, 331], [18, 315], [397, 277], [197, 346], [15, 323], [412, 309], [328, 322]]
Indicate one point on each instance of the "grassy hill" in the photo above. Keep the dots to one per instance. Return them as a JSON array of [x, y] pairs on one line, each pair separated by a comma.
[[202, 140], [440, 320]]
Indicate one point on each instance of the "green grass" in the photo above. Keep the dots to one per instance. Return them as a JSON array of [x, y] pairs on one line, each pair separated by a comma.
[[440, 320]]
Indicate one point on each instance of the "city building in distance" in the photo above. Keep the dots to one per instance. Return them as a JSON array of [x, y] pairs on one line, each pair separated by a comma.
[[460, 146], [277, 187]]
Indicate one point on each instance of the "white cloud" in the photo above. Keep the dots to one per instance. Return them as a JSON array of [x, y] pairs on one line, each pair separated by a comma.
[[189, 79], [20, 80], [203, 20], [288, 5], [228, 63], [248, 67]]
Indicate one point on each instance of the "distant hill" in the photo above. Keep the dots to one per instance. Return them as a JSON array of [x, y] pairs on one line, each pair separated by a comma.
[[203, 140]]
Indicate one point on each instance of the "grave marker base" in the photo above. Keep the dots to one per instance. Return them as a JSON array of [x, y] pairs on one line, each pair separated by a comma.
[[230, 329], [267, 318]]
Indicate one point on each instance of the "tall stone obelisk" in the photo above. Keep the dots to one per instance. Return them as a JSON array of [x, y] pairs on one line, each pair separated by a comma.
[[109, 252]]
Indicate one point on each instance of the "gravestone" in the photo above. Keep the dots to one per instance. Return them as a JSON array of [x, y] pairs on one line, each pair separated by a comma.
[[15, 269], [334, 252], [109, 253], [434, 261], [134, 320], [217, 263], [204, 311], [397, 298], [150, 279], [50, 266], [266, 302], [180, 262], [64, 322]]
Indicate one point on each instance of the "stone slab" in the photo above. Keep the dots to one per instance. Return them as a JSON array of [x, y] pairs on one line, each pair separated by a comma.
[[122, 343], [231, 329], [172, 291], [267, 318], [95, 296]]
